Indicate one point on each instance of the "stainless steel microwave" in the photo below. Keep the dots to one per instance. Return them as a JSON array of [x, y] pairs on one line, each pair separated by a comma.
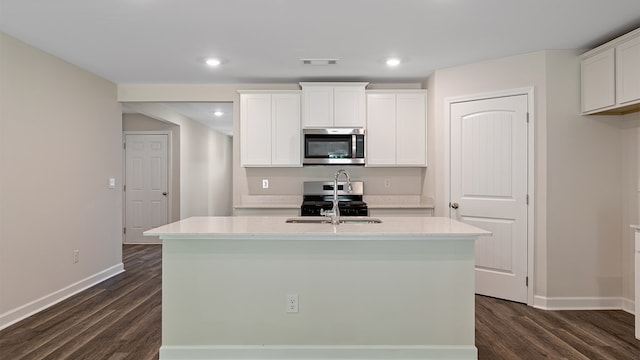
[[334, 146]]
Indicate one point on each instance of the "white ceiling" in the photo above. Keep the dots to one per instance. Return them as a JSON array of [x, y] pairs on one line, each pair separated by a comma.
[[203, 112], [262, 41]]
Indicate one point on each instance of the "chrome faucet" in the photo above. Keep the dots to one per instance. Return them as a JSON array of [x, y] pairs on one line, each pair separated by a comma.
[[334, 213]]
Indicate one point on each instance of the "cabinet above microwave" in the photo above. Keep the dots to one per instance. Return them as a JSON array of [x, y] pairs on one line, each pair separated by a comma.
[[333, 105]]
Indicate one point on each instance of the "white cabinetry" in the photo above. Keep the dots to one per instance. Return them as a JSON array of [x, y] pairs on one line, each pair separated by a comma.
[[598, 81], [611, 76], [399, 211], [333, 105], [396, 128], [270, 128], [628, 71]]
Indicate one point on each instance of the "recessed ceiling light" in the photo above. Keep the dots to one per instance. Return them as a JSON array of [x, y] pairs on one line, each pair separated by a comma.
[[393, 62], [213, 62], [218, 113]]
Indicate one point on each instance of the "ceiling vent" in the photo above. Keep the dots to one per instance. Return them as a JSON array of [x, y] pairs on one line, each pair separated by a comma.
[[319, 61]]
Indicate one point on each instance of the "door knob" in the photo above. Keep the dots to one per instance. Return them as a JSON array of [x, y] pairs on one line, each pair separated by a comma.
[[454, 205], [164, 193]]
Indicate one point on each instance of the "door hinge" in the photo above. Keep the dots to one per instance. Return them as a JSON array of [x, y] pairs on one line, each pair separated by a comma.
[[526, 281], [124, 145], [124, 230], [527, 199], [124, 187], [527, 117]]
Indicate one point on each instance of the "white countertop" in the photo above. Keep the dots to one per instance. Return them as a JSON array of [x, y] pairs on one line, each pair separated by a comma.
[[275, 227]]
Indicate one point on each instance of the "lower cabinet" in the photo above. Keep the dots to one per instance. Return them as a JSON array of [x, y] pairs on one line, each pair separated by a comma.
[[391, 212], [266, 211]]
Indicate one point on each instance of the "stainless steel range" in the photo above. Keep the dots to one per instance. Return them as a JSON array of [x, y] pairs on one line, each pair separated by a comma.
[[318, 196]]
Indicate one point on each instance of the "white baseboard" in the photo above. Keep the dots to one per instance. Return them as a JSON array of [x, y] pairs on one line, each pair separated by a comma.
[[13, 316], [629, 306], [580, 303], [318, 352]]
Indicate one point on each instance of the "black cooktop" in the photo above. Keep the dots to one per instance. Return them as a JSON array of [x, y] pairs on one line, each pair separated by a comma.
[[318, 197]]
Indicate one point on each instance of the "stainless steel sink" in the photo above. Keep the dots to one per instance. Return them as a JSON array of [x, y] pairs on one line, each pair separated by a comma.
[[324, 220]]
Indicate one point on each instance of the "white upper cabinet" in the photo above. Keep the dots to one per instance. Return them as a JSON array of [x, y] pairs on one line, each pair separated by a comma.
[[598, 81], [611, 76], [333, 105], [628, 71], [270, 129], [255, 123], [396, 128]]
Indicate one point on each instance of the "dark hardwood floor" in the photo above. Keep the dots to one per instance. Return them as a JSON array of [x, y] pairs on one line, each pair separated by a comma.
[[120, 319]]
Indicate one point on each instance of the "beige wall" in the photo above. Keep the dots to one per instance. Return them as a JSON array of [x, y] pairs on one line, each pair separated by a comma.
[[138, 122], [485, 77], [583, 200], [578, 238], [630, 128], [60, 141], [205, 184]]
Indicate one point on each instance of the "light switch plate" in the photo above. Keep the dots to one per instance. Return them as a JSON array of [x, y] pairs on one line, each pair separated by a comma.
[[112, 183]]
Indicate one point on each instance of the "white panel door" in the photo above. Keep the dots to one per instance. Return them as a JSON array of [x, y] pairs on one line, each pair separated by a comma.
[[488, 184], [146, 178]]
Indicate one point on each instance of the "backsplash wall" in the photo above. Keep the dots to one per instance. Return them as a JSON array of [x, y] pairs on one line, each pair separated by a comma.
[[377, 181]]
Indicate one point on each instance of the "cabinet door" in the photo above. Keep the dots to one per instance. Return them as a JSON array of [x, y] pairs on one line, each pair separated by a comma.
[[411, 129], [381, 129], [318, 106], [285, 130], [255, 129], [598, 81], [349, 106], [628, 71]]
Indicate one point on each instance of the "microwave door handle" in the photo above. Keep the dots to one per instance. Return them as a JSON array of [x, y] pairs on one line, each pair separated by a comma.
[[354, 147]]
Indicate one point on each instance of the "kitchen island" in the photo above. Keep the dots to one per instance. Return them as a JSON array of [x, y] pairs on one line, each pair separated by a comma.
[[261, 288]]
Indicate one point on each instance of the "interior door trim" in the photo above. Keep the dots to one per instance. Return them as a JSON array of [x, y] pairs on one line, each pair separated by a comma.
[[531, 225]]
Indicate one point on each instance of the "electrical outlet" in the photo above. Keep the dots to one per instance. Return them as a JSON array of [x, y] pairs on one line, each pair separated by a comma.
[[265, 183], [387, 183], [76, 256], [292, 303]]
